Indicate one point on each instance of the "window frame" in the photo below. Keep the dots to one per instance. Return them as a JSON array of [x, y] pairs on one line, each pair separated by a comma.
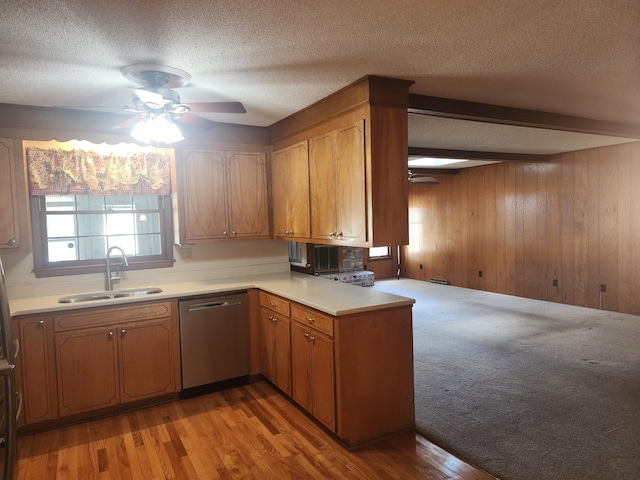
[[388, 256], [44, 268]]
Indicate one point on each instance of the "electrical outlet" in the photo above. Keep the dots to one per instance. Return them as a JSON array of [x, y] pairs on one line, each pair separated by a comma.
[[186, 253], [480, 273], [555, 282], [420, 266], [603, 287]]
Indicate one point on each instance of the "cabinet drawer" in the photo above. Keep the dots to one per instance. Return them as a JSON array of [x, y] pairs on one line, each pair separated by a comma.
[[90, 317], [312, 318], [275, 303]]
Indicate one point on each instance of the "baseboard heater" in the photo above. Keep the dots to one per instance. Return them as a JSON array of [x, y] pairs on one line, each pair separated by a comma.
[[440, 281]]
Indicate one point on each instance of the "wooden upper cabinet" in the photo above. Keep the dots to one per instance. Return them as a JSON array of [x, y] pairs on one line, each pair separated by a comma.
[[357, 162], [290, 180], [351, 220], [205, 194], [337, 179], [224, 196], [248, 201], [9, 227]]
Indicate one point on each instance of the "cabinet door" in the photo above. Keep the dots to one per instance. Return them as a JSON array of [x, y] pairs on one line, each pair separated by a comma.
[[351, 220], [205, 195], [290, 179], [323, 387], [298, 187], [146, 358], [37, 368], [322, 187], [276, 349], [301, 367], [9, 219], [248, 203], [280, 181], [87, 364]]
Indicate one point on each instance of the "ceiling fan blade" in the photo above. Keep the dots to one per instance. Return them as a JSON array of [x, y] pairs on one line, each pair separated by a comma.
[[195, 120], [129, 121], [148, 97], [217, 107]]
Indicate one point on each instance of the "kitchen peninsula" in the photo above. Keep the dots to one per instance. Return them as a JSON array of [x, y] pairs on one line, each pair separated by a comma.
[[362, 390]]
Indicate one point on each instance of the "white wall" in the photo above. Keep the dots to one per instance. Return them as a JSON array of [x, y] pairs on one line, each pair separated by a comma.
[[208, 261]]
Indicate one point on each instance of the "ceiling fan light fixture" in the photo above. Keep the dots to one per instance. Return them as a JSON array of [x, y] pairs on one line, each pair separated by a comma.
[[157, 129]]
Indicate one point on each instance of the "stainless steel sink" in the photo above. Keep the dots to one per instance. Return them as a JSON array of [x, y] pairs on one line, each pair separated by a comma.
[[88, 297], [135, 292]]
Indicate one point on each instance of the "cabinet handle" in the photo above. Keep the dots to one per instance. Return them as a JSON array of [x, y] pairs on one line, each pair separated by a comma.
[[339, 234], [225, 233], [110, 335], [273, 304], [310, 319], [234, 233], [123, 332], [12, 242], [16, 344], [306, 335], [312, 339], [273, 319], [332, 234], [41, 322]]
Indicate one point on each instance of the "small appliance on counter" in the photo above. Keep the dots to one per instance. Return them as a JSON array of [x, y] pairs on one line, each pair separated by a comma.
[[9, 409]]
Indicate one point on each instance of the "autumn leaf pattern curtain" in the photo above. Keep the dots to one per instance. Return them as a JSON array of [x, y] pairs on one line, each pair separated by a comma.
[[55, 171]]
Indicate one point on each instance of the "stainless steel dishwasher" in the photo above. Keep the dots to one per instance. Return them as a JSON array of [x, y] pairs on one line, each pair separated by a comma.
[[214, 339]]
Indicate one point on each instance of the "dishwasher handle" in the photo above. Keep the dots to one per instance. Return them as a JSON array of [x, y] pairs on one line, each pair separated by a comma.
[[207, 305]]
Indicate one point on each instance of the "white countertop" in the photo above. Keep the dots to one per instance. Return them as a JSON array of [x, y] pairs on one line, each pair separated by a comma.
[[334, 298]]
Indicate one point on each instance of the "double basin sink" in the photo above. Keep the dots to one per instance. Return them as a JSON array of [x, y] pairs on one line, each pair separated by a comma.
[[106, 295]]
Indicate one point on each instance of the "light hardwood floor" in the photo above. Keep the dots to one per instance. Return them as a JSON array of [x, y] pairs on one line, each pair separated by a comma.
[[246, 432]]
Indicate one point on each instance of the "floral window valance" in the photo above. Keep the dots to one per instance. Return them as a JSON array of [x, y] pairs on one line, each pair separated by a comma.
[[63, 171]]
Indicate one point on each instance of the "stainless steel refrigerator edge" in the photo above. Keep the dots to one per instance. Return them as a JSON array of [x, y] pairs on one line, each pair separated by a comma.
[[9, 409]]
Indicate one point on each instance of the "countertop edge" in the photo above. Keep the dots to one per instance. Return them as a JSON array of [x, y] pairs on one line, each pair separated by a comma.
[[336, 299]]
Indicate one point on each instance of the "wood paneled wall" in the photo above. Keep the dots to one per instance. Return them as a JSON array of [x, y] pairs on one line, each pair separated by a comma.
[[387, 268], [525, 225]]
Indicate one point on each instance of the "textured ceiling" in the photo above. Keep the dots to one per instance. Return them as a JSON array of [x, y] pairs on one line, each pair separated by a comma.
[[574, 57]]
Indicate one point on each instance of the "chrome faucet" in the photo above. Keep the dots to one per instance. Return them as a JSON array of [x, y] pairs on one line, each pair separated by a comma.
[[109, 282]]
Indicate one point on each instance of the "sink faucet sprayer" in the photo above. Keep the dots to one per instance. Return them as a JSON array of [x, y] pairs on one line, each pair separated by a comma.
[[109, 282]]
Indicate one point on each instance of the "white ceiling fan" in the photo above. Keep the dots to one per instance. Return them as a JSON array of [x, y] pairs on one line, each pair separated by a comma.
[[156, 99], [156, 106], [417, 177]]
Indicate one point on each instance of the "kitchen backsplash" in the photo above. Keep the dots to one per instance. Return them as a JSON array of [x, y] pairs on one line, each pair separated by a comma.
[[206, 262]]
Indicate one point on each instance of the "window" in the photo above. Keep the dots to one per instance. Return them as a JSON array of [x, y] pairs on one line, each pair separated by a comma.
[[328, 259], [72, 233], [379, 253], [298, 254]]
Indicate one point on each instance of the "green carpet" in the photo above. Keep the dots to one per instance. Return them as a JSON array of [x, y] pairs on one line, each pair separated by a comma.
[[526, 389]]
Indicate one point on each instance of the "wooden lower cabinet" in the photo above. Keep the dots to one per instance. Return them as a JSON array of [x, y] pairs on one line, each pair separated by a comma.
[[146, 360], [35, 369], [87, 363], [276, 349], [102, 367], [312, 365], [110, 356]]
